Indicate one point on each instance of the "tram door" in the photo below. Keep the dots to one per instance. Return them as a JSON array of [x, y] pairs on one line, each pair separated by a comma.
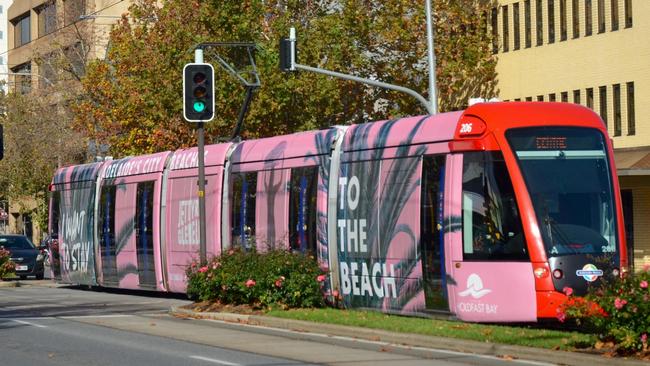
[[432, 232], [107, 237], [491, 277]]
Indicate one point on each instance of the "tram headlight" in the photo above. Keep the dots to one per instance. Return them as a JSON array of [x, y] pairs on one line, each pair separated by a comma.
[[540, 272], [558, 274]]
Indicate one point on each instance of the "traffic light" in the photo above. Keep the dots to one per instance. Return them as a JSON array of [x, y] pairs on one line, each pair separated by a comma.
[[198, 92]]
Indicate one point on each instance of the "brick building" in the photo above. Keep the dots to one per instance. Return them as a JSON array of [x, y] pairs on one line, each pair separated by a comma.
[[594, 53]]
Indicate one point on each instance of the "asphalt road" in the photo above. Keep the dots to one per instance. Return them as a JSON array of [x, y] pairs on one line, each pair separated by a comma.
[[41, 325]]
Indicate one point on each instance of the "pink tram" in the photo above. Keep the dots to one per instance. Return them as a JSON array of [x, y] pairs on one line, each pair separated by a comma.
[[487, 213]]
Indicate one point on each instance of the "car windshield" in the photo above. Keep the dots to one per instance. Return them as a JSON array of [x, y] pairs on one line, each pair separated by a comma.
[[570, 185], [15, 242]]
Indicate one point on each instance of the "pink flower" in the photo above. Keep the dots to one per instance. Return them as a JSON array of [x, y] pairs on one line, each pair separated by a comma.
[[567, 290], [278, 282], [618, 303], [250, 283], [320, 278], [644, 338], [335, 293], [203, 269], [561, 316], [644, 284], [216, 265]]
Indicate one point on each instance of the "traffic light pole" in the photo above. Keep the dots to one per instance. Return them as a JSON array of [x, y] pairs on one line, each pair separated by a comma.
[[198, 58]]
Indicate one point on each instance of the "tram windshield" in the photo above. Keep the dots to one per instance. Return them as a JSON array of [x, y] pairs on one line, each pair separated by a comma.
[[569, 181]]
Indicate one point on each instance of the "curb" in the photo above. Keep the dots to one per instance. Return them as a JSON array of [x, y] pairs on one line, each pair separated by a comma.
[[416, 340], [8, 284]]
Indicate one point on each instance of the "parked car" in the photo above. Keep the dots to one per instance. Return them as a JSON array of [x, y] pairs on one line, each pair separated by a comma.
[[28, 258]]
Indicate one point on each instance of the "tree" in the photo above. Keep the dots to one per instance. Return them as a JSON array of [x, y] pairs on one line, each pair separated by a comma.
[[37, 138], [38, 125], [133, 97]]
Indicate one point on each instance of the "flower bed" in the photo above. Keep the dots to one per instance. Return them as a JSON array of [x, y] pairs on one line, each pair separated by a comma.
[[273, 278], [7, 267], [619, 312]]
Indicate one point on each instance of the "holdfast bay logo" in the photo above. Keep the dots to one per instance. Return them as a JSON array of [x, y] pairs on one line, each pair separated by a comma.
[[476, 291], [589, 272]]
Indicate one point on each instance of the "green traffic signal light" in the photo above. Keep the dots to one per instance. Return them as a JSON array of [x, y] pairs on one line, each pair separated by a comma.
[[198, 92], [199, 106]]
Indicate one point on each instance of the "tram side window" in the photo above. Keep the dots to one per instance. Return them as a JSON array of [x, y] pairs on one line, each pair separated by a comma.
[[244, 193], [491, 224], [302, 209], [144, 233], [56, 212]]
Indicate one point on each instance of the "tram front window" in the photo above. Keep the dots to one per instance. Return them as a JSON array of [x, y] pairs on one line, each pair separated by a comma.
[[569, 182]]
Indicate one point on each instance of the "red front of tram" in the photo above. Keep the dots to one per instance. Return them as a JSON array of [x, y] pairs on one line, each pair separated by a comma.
[[560, 161]]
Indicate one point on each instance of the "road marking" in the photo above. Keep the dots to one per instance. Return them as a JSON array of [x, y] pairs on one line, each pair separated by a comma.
[[215, 361], [95, 316], [28, 323]]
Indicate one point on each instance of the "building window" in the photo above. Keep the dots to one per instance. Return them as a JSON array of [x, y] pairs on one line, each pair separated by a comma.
[[563, 31], [602, 95], [46, 19], [22, 34], [631, 124], [540, 98], [515, 21], [46, 70], [616, 91], [22, 83], [495, 30], [628, 13], [505, 25], [527, 24], [72, 10], [76, 56], [614, 15], [538, 22], [601, 16], [576, 96], [590, 98], [588, 18], [564, 97], [551, 21], [551, 97], [575, 13], [529, 99]]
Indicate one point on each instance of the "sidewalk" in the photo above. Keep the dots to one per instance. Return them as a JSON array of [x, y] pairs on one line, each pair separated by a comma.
[[414, 340]]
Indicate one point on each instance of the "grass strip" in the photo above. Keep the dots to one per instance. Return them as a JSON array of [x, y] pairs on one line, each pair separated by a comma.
[[514, 335]]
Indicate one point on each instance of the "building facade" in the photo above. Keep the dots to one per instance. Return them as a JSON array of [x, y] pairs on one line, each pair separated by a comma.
[[40, 34], [4, 46], [594, 53]]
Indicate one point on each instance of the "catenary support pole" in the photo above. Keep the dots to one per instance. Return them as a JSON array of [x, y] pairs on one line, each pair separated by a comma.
[[433, 97], [198, 58]]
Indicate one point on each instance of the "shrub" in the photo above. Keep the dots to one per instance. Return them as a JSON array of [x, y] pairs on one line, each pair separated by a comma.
[[276, 277], [7, 267], [618, 311]]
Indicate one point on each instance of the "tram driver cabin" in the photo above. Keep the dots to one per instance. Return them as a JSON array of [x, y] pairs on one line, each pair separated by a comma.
[[486, 213]]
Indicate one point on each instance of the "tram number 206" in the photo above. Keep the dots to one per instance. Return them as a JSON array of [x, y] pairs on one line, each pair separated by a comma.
[[466, 128]]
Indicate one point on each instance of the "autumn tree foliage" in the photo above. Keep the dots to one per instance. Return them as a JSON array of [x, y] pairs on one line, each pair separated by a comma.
[[132, 99]]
